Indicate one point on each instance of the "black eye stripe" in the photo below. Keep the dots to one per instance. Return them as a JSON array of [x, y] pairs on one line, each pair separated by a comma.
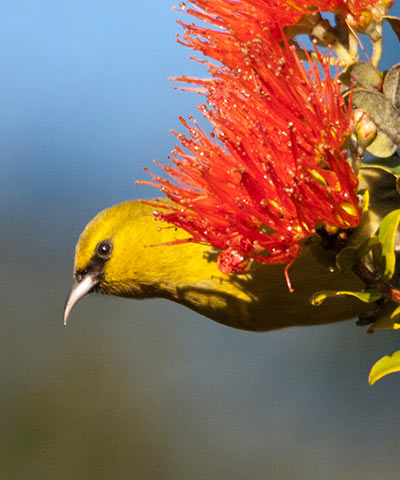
[[96, 265]]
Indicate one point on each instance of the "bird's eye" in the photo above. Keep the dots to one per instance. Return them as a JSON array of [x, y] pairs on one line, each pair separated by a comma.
[[104, 250]]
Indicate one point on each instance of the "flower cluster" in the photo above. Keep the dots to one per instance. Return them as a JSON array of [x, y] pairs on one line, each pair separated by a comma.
[[274, 167], [234, 16]]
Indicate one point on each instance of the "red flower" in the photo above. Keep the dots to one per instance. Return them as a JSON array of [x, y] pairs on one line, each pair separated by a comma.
[[273, 167], [236, 16]]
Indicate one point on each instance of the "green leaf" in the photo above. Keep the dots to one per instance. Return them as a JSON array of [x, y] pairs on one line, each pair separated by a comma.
[[386, 235], [365, 201], [391, 85], [390, 164], [385, 116], [384, 366], [361, 74], [384, 197], [386, 320], [383, 322], [368, 245], [346, 257], [395, 316], [367, 297], [382, 146], [349, 256]]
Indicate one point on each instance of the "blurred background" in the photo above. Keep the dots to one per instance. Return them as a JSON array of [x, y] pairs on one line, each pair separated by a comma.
[[148, 389]]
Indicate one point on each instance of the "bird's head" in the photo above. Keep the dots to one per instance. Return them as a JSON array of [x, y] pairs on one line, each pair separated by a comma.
[[124, 251], [111, 253]]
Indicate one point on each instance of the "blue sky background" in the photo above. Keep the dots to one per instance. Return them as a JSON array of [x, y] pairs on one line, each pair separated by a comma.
[[146, 389], [85, 99]]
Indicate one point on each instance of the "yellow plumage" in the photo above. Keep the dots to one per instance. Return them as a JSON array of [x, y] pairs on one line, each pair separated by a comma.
[[187, 274]]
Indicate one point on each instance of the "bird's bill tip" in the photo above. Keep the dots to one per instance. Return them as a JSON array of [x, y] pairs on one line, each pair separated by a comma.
[[78, 291]]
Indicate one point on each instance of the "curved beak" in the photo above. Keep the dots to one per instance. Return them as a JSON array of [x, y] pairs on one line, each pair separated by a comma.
[[79, 290]]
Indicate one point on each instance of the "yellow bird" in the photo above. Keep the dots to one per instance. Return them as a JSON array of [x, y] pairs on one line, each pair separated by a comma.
[[115, 256]]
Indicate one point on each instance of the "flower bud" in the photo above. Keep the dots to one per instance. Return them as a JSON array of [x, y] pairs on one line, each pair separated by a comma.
[[365, 129]]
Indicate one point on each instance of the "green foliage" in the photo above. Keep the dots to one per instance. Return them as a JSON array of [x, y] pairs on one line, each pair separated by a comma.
[[386, 236], [386, 117], [369, 296], [395, 316], [391, 85], [380, 101], [389, 165], [384, 366], [371, 247], [347, 258], [361, 74]]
